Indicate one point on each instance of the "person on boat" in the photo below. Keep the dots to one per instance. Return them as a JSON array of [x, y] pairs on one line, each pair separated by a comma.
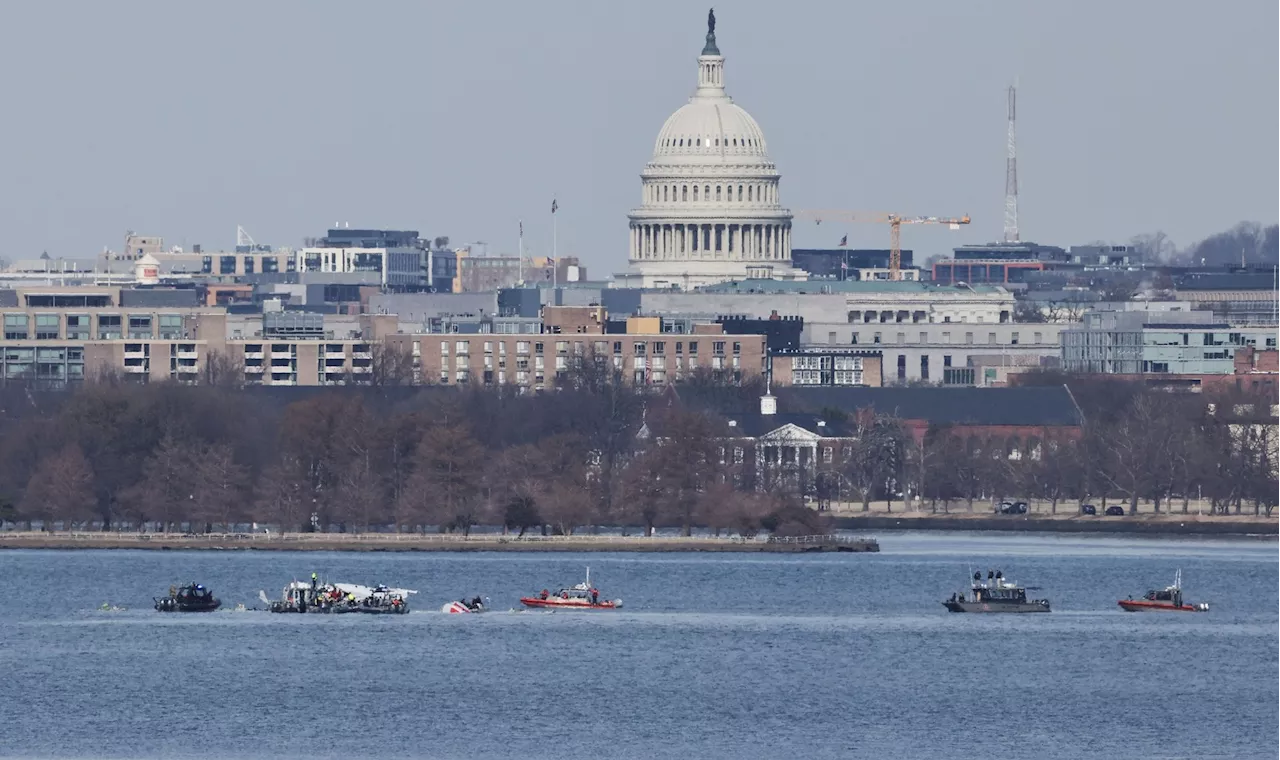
[[476, 603], [314, 581], [544, 594], [595, 596]]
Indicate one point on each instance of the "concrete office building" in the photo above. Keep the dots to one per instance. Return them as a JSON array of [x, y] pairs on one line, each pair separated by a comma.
[[924, 351]]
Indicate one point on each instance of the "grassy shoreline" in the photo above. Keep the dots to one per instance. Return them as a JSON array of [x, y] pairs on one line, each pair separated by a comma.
[[405, 542], [1140, 524]]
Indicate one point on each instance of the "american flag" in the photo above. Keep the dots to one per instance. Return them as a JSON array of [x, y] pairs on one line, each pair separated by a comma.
[[844, 241], [554, 205], [521, 228]]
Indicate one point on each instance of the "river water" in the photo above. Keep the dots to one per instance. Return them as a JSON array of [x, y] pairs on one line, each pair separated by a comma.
[[714, 655]]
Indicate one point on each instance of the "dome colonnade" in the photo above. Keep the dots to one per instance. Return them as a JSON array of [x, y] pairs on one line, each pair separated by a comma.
[[710, 208]]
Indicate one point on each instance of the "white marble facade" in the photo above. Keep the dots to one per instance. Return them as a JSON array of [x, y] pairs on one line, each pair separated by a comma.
[[709, 210]]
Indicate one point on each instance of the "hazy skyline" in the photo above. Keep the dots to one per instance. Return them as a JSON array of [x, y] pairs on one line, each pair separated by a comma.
[[284, 117]]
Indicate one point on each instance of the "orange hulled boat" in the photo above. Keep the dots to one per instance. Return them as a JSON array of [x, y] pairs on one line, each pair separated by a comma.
[[1168, 600], [583, 596]]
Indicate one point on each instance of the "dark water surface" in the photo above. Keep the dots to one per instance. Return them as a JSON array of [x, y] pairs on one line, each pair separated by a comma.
[[714, 655]]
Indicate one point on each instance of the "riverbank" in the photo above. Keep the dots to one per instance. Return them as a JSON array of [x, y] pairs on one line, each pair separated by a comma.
[[1140, 524], [411, 542]]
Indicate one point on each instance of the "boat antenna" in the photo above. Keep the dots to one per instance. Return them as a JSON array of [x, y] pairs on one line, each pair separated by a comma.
[[588, 575]]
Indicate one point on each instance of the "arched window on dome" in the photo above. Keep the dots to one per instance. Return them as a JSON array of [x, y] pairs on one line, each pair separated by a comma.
[[681, 142], [739, 193], [717, 193], [664, 192], [748, 193], [695, 193], [706, 192], [684, 192]]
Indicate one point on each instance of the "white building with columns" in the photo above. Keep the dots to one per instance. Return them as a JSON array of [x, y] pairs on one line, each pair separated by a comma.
[[709, 209]]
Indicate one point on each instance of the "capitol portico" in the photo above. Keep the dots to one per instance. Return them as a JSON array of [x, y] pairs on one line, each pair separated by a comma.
[[709, 210]]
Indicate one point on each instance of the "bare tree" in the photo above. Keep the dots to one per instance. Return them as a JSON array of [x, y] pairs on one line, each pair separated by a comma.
[[166, 487], [61, 489], [219, 485], [444, 484]]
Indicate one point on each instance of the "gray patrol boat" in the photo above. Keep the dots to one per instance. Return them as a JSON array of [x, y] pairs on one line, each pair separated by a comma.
[[996, 595]]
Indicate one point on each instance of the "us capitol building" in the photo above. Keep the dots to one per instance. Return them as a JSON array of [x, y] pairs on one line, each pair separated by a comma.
[[710, 210]]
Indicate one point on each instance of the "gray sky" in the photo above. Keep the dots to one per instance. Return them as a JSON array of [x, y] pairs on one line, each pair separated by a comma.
[[186, 119]]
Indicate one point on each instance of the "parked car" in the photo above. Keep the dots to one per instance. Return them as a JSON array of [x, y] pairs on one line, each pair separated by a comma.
[[1012, 508], [1115, 511], [1088, 509]]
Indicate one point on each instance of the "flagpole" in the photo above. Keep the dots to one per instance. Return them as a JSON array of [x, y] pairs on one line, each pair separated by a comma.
[[520, 256], [555, 259]]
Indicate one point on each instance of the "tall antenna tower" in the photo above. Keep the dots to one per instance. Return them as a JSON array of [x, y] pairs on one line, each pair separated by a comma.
[[243, 239], [1011, 171]]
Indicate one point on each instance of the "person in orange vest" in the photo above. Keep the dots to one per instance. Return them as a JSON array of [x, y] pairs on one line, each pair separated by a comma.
[[595, 596]]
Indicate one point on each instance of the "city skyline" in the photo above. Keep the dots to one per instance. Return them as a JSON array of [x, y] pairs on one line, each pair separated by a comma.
[[1131, 119]]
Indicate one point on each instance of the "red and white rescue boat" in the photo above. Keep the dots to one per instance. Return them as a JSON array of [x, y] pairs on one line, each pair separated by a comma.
[[1168, 600], [583, 596]]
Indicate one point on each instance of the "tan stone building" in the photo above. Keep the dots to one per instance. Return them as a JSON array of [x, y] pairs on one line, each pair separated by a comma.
[[534, 361]]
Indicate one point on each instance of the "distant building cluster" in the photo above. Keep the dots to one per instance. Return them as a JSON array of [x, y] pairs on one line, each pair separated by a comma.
[[714, 289]]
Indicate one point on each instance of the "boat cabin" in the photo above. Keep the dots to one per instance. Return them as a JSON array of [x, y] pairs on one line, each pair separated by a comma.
[[1172, 595]]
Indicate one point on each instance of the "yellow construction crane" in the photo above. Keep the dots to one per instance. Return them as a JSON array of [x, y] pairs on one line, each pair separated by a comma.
[[895, 222]]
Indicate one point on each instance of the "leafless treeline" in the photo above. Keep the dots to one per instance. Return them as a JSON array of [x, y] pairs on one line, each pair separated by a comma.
[[120, 456], [163, 457], [1136, 444]]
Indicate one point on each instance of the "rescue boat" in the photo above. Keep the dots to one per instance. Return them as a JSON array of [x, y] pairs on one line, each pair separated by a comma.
[[1168, 600], [582, 596]]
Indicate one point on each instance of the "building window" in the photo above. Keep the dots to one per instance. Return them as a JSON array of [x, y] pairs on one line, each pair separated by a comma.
[[902, 367], [170, 326], [968, 338], [991, 339], [693, 348], [854, 339], [77, 327], [717, 347], [139, 326], [946, 360], [444, 348], [924, 367], [47, 327], [902, 338], [876, 338], [684, 192], [1037, 338], [659, 348], [1013, 340], [15, 326], [226, 265]]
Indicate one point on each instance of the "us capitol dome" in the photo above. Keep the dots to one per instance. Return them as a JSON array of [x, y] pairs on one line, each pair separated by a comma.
[[709, 208]]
